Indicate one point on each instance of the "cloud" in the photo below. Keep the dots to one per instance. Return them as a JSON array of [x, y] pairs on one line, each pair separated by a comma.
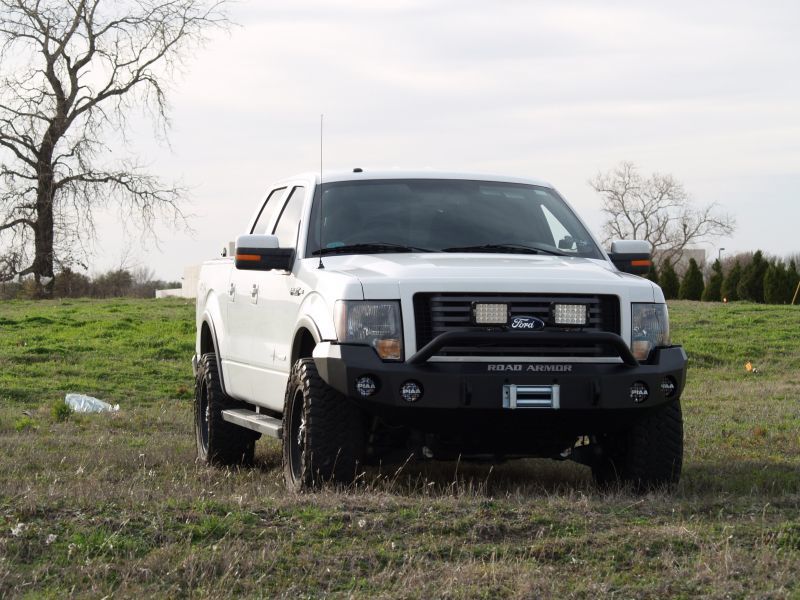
[[551, 89]]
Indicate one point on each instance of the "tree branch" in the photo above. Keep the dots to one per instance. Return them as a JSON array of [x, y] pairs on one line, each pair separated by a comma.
[[70, 70], [656, 209], [16, 222]]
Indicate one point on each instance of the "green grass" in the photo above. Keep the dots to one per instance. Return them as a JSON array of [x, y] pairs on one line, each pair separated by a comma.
[[120, 350], [114, 504]]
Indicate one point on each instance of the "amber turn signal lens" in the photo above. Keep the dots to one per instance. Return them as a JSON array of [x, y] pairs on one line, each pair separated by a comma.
[[389, 349], [641, 349]]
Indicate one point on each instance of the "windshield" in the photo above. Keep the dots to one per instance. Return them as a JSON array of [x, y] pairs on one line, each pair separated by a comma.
[[444, 215]]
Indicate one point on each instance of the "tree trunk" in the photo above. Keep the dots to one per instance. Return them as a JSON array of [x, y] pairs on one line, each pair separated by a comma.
[[44, 233]]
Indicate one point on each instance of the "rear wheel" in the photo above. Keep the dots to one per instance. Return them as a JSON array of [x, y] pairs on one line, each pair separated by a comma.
[[323, 435], [218, 442], [647, 456]]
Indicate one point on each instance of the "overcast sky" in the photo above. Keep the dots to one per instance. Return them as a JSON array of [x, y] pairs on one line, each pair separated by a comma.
[[708, 91]]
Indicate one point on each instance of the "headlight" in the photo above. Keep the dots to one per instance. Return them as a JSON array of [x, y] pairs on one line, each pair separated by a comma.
[[649, 328], [372, 322]]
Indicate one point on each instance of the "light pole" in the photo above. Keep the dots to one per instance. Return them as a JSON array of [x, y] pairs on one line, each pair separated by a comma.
[[719, 254]]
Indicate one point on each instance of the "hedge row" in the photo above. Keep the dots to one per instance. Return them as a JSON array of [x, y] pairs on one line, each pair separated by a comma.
[[755, 279]]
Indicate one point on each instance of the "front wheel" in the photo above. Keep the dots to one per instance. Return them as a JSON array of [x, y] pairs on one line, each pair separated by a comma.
[[324, 433], [647, 456]]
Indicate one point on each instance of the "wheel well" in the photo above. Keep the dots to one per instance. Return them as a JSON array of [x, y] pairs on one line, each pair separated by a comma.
[[303, 345], [206, 339]]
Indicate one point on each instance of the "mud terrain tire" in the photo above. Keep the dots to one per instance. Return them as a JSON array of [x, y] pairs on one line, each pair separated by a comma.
[[323, 433], [218, 442], [648, 456]]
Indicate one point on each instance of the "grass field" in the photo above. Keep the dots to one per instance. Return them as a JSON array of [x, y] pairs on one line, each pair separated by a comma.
[[115, 505]]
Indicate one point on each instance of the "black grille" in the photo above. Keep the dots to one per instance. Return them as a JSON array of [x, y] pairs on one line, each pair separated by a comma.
[[435, 314]]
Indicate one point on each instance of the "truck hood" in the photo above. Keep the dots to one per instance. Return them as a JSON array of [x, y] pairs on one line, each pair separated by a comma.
[[384, 276]]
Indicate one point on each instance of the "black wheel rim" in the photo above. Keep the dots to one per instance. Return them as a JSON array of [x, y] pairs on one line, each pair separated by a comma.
[[297, 439], [203, 414]]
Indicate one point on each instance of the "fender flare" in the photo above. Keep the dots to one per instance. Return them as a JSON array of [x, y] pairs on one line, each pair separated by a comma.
[[307, 323], [207, 320]]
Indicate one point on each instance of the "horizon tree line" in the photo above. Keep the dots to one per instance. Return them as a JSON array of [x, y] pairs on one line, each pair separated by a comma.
[[747, 276]]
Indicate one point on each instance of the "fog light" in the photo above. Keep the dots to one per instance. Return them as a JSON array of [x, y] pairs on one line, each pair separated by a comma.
[[668, 387], [411, 391], [570, 314], [639, 392], [366, 386]]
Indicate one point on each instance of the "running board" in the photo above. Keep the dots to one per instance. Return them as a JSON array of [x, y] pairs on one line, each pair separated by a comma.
[[255, 421]]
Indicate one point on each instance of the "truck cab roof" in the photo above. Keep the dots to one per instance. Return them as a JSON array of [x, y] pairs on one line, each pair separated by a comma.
[[358, 174]]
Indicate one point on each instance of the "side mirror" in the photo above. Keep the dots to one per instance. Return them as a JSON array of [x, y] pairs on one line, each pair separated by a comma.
[[631, 256], [261, 253]]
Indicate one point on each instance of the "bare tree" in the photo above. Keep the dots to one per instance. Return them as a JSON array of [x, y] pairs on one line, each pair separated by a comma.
[[71, 72], [657, 209]]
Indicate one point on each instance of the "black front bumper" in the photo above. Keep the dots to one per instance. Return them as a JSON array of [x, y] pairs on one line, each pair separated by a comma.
[[590, 388]]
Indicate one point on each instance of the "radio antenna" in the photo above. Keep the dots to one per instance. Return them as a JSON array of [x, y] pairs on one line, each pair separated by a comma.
[[321, 215]]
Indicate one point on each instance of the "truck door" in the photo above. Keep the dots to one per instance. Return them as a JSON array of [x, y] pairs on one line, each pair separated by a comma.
[[278, 301], [245, 355]]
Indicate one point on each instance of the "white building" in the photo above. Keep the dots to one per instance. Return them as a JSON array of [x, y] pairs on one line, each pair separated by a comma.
[[188, 287]]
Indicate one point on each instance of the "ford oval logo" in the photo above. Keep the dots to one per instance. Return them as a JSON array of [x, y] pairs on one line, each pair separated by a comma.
[[526, 323]]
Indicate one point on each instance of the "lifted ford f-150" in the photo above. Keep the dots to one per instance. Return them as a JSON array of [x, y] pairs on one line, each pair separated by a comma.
[[377, 316]]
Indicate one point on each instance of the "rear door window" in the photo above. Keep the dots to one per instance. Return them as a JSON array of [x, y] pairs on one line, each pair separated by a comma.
[[268, 210], [287, 226]]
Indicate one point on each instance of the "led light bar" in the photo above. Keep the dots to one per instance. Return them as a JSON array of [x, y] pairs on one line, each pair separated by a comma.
[[570, 314], [490, 314]]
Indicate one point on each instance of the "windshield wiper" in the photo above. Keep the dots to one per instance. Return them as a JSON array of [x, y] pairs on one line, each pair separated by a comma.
[[512, 248], [370, 248]]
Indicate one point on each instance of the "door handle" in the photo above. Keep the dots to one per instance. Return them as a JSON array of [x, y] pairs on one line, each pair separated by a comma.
[[232, 290], [254, 293]]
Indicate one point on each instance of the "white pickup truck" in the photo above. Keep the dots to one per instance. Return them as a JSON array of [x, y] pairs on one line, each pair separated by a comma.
[[381, 315]]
